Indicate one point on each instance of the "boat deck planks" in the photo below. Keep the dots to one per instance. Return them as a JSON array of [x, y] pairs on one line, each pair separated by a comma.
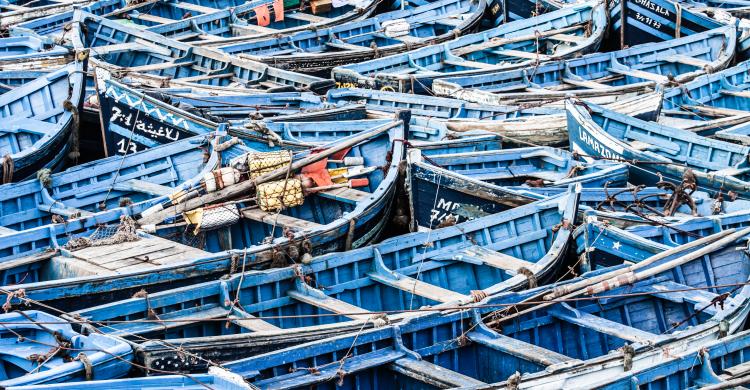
[[145, 253]]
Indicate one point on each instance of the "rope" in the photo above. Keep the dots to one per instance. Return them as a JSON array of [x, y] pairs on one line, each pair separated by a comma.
[[515, 305], [86, 364], [45, 177], [8, 168], [75, 136]]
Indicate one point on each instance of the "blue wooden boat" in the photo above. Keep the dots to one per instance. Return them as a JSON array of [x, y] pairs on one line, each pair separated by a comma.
[[145, 15], [443, 268], [441, 195], [563, 33], [52, 257], [658, 152], [715, 104], [448, 188], [603, 77], [81, 191], [508, 11], [634, 22], [432, 136], [545, 342], [518, 125], [319, 50], [150, 59], [216, 378], [38, 119], [40, 348]]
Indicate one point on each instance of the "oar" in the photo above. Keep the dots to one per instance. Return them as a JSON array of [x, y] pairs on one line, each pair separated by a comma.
[[246, 187], [562, 290], [717, 240]]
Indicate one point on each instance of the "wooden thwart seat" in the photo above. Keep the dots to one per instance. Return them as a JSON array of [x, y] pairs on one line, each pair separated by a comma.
[[251, 322], [307, 17], [195, 7], [432, 374], [279, 219], [348, 195], [640, 74], [645, 142], [603, 325], [137, 44], [332, 305], [4, 231], [522, 54], [744, 94], [144, 253], [678, 293], [519, 348], [417, 287], [481, 255]]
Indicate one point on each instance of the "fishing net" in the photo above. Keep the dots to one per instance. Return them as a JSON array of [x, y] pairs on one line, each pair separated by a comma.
[[126, 231], [187, 237], [213, 217], [276, 195], [259, 163]]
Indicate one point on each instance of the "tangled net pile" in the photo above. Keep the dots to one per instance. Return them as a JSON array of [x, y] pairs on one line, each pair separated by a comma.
[[126, 231]]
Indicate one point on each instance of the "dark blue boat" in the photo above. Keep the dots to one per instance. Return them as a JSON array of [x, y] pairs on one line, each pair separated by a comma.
[[106, 247], [81, 191], [634, 22], [450, 188], [442, 195], [546, 343]]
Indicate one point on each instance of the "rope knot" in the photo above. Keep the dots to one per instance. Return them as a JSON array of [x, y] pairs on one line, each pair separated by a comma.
[[478, 295], [529, 276], [20, 294], [45, 177], [514, 380], [87, 366], [8, 168], [379, 320], [628, 352]]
